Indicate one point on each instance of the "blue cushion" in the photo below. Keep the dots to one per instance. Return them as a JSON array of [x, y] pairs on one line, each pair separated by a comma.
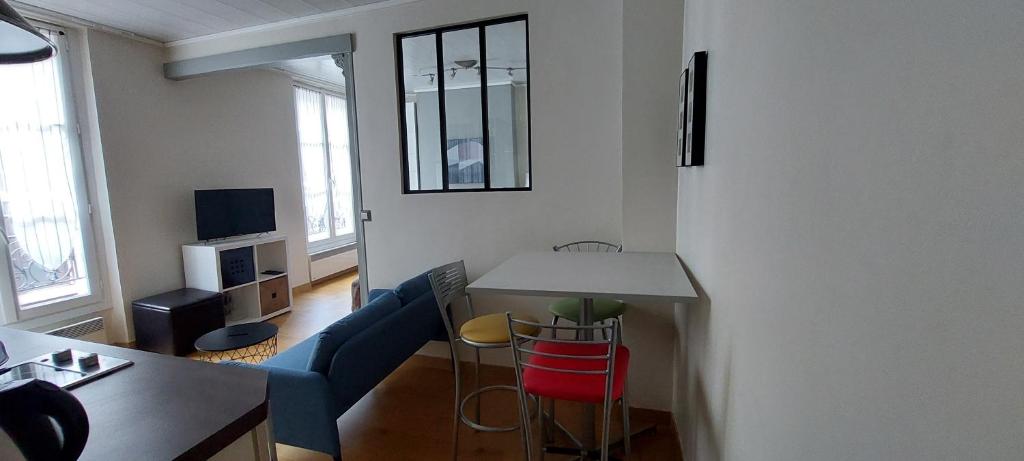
[[296, 357], [374, 293], [353, 324], [413, 288], [368, 358]]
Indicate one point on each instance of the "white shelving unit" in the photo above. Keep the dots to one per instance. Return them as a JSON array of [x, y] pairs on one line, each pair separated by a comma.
[[249, 294]]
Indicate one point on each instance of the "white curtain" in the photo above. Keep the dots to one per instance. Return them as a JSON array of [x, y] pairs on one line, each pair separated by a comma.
[[309, 114], [341, 165], [326, 167], [38, 188]]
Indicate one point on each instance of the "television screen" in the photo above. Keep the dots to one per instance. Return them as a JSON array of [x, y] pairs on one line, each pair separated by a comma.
[[228, 212]]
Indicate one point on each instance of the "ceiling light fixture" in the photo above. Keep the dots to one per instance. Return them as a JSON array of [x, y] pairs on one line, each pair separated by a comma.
[[20, 42], [466, 64]]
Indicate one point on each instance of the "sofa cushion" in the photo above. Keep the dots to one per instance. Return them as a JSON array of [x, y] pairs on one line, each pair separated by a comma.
[[413, 288], [296, 357], [374, 293], [366, 359], [337, 333]]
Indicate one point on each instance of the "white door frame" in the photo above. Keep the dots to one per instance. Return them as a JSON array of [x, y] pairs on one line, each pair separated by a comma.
[[357, 182]]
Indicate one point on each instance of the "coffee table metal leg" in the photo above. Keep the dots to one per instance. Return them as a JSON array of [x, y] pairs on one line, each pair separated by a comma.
[[255, 353]]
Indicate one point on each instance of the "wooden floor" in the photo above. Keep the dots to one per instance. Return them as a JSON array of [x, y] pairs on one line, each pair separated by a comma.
[[409, 415]]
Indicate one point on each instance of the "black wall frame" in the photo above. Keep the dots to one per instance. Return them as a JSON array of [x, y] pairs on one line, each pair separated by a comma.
[[400, 77]]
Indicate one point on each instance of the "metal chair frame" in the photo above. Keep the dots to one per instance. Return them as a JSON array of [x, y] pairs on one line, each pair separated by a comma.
[[590, 246], [587, 246], [611, 341], [449, 284]]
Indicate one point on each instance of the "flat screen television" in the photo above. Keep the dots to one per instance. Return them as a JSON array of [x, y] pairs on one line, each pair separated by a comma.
[[224, 213]]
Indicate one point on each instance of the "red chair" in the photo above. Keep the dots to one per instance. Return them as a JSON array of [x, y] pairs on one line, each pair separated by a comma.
[[587, 371]]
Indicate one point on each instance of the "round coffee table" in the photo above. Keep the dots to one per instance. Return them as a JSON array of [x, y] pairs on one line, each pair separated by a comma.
[[249, 342]]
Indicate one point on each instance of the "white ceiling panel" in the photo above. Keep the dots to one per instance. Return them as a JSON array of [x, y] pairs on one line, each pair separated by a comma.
[[170, 20]]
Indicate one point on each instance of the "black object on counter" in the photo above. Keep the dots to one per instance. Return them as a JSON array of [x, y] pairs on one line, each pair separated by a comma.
[[44, 421]]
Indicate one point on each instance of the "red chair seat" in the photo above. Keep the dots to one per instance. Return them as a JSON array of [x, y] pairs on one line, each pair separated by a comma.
[[562, 385]]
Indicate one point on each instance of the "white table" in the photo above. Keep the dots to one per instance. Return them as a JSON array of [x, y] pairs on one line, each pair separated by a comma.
[[630, 277]]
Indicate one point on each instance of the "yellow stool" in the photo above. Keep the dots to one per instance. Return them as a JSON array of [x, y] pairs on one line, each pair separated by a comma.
[[484, 332]]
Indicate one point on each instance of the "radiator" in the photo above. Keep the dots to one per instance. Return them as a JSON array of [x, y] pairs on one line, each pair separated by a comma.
[[89, 330]]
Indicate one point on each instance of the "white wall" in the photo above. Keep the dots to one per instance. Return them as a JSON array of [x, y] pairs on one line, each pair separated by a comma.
[[858, 231], [576, 53], [652, 36], [163, 139]]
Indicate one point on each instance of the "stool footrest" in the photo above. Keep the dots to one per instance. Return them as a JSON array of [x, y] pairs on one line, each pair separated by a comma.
[[476, 424]]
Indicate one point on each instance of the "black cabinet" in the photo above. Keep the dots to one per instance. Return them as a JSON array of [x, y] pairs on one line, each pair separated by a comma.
[[170, 323]]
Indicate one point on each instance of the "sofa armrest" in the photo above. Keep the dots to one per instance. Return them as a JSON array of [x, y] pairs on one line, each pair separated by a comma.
[[302, 408]]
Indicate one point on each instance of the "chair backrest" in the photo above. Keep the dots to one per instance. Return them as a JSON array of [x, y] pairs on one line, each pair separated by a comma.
[[449, 284], [598, 352], [590, 246]]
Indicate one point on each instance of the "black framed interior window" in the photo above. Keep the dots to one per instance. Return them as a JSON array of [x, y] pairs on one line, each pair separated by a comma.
[[464, 104]]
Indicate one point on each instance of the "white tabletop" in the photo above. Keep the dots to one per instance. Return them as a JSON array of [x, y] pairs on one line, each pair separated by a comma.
[[638, 277]]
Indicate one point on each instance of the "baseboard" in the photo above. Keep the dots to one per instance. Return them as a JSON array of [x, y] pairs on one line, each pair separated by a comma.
[[332, 277]]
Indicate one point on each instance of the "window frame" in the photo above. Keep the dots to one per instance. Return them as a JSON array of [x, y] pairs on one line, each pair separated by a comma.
[[403, 128], [334, 241], [11, 312]]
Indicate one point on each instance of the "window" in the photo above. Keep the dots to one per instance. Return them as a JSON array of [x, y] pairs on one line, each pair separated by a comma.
[[322, 119], [466, 107], [51, 257]]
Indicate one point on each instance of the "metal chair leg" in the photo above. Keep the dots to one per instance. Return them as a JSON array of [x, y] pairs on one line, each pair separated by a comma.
[[550, 435], [524, 423], [476, 377], [458, 400], [526, 431], [541, 425], [627, 434], [606, 430]]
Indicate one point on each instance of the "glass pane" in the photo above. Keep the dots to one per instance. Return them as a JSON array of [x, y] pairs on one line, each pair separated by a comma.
[[39, 186], [341, 166], [422, 118], [507, 105], [460, 50], [309, 113]]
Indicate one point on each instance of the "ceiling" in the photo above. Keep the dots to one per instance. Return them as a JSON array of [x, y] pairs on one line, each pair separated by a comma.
[[167, 20]]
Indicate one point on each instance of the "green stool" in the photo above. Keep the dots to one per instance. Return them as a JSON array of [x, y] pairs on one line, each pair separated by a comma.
[[569, 309], [604, 309]]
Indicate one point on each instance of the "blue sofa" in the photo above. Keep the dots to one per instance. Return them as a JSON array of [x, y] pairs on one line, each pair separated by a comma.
[[314, 382]]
